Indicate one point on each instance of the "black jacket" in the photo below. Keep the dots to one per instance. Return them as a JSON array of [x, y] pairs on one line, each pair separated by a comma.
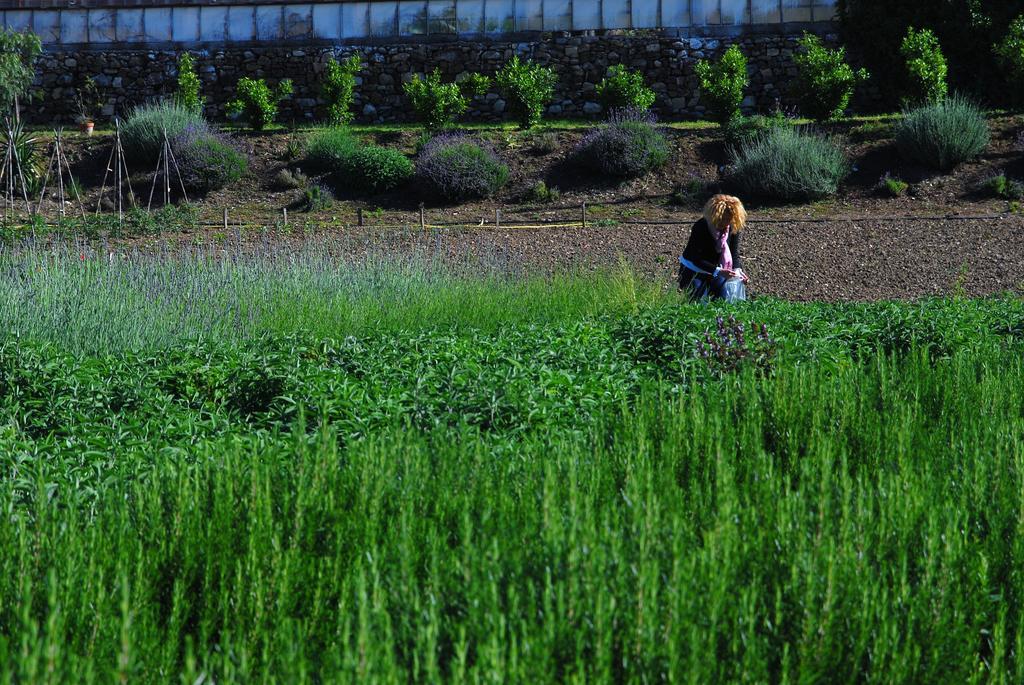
[[700, 251]]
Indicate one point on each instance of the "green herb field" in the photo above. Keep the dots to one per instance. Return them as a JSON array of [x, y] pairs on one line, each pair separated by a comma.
[[297, 469]]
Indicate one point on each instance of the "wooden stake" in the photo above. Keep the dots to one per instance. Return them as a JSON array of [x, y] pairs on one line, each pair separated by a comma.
[[497, 218], [285, 211], [225, 221], [359, 216], [423, 221], [583, 213]]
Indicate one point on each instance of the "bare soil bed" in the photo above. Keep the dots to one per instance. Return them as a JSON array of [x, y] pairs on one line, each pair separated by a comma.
[[858, 245]]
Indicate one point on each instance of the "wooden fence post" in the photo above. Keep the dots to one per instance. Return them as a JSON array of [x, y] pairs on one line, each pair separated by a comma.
[[583, 213]]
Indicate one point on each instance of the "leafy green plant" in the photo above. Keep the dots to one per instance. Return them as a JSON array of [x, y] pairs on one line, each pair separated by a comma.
[[190, 88], [290, 179], [544, 143], [892, 186], [943, 134], [624, 88], [29, 149], [1010, 52], [741, 130], [825, 82], [377, 169], [142, 133], [317, 198], [88, 100], [1005, 188], [327, 150], [438, 104], [257, 102], [789, 164], [338, 88], [925, 66], [692, 193], [18, 55], [207, 161], [722, 84], [527, 87], [541, 192]]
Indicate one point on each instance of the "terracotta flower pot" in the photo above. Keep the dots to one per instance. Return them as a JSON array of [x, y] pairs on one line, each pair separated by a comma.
[[87, 127]]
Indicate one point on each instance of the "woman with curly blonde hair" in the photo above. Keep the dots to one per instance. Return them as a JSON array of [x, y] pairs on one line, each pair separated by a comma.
[[710, 266]]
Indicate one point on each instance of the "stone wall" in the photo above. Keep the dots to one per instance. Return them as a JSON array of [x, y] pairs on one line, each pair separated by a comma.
[[129, 77]]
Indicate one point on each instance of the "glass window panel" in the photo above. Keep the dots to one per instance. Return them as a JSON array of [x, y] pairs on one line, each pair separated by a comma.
[[129, 25], [412, 17], [185, 23], [441, 16], [586, 15], [765, 12], [675, 13], [47, 25], [615, 14], [158, 24], [470, 16], [382, 18], [241, 23], [19, 20], [269, 22], [327, 21], [74, 26], [705, 12], [499, 16], [645, 14], [212, 22], [735, 11], [824, 10], [102, 27], [796, 10], [529, 15], [557, 16], [355, 21], [298, 21]]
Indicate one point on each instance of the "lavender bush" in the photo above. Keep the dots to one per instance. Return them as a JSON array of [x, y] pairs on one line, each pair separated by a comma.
[[207, 161], [458, 168], [730, 346], [628, 146]]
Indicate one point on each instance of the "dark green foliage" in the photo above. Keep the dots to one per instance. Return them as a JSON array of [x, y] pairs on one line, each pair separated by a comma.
[[438, 104], [376, 169], [967, 30], [544, 143], [88, 100], [354, 166], [189, 93], [290, 179], [722, 84], [693, 194], [142, 133], [624, 88], [789, 164], [459, 169], [317, 198], [741, 130], [925, 67], [1005, 188], [825, 82], [942, 135], [526, 87], [257, 102], [30, 153], [18, 54], [337, 88], [541, 192], [1010, 51], [892, 186], [627, 148]]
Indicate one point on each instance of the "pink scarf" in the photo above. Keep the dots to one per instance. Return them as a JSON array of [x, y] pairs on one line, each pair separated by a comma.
[[722, 246]]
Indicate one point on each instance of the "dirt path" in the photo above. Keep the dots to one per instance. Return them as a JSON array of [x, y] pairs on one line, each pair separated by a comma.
[[866, 260]]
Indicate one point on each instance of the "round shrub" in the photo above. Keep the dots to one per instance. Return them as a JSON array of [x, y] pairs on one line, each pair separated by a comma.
[[356, 166], [943, 134], [142, 133], [625, 148], [328, 150], [789, 164], [458, 168], [377, 169], [207, 161], [742, 130]]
